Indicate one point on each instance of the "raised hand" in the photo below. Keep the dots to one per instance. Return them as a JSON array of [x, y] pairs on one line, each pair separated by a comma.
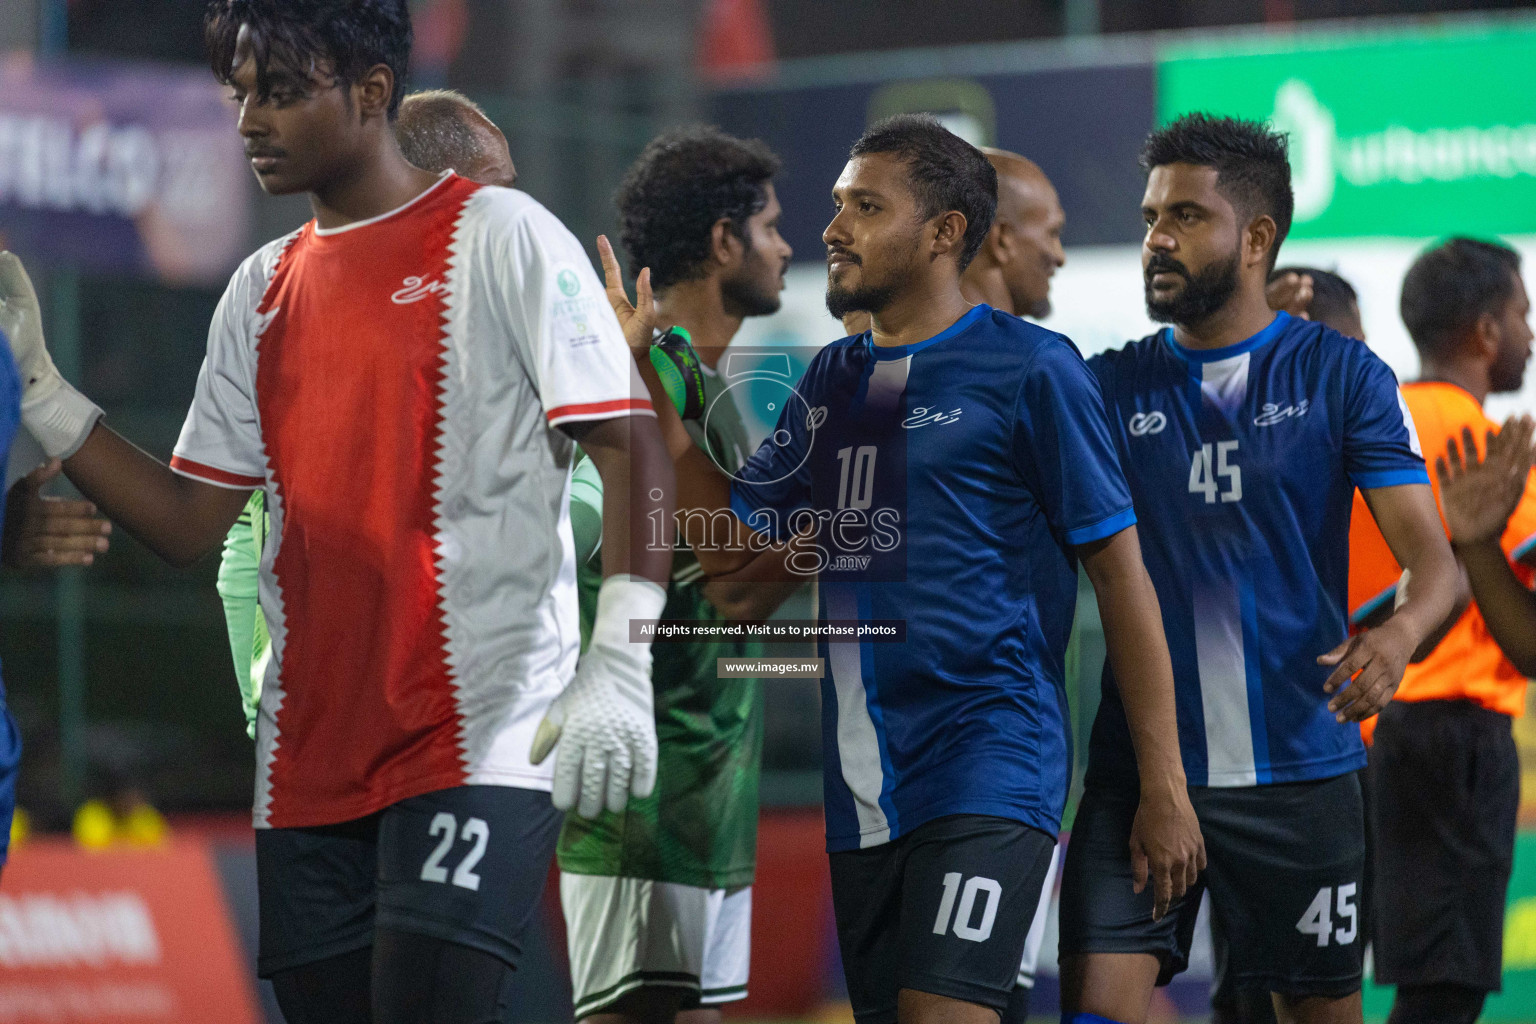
[[1291, 292], [56, 414], [638, 318], [1477, 498], [46, 533]]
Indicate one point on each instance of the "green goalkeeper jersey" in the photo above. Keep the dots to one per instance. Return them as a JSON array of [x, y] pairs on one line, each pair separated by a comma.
[[699, 826], [239, 570]]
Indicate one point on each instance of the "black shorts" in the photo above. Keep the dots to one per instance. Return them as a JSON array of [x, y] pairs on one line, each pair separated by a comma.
[[1447, 795], [466, 865], [1284, 870], [944, 909]]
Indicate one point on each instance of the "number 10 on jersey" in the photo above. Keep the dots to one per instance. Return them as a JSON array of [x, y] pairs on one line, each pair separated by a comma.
[[1207, 474]]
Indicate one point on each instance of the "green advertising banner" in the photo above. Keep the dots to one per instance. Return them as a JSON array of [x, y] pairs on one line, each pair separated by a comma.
[[1397, 134]]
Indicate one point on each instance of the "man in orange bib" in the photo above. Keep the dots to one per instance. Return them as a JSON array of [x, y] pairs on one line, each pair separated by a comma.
[[1443, 765]]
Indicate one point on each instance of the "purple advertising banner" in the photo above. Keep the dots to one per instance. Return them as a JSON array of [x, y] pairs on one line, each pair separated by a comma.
[[121, 168]]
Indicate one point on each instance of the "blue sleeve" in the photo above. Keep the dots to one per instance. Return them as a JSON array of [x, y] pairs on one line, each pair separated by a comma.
[[776, 481], [1381, 447], [10, 416], [1063, 448]]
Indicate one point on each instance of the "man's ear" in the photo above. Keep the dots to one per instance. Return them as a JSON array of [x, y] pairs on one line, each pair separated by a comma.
[[725, 248], [1000, 242], [374, 91], [1259, 239], [949, 234], [1487, 336]]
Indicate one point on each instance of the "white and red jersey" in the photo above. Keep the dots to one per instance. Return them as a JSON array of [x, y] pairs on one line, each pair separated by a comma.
[[394, 386]]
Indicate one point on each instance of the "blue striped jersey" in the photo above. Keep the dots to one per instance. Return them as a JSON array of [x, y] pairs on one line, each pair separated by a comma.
[[945, 484], [10, 409], [1243, 462], [10, 422]]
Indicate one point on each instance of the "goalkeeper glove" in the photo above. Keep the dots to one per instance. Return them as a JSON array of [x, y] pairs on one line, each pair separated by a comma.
[[677, 364], [604, 720], [57, 415]]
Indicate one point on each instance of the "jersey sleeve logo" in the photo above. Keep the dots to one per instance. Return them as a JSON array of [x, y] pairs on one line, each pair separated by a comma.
[[569, 283], [1144, 423], [415, 289], [1271, 413]]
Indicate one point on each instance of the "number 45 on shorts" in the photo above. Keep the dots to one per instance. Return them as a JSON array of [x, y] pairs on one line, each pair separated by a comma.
[[1318, 920]]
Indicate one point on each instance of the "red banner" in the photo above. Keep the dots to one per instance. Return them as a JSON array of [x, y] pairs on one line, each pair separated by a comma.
[[118, 937]]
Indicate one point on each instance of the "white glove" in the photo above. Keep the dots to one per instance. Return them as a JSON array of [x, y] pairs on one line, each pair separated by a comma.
[[605, 720], [57, 415]]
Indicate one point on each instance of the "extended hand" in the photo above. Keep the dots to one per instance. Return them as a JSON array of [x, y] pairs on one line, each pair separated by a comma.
[[56, 414], [638, 318], [1376, 659], [1166, 845], [45, 533], [1291, 292], [1477, 498]]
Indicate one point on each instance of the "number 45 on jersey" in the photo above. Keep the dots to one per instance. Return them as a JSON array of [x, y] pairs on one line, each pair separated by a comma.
[[1211, 467]]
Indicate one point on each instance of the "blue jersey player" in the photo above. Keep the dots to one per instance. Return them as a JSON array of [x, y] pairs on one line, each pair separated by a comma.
[[41, 532], [944, 471], [10, 737], [1244, 433]]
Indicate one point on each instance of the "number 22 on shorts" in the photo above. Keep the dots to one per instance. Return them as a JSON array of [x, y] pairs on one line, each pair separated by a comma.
[[962, 926], [1318, 921], [446, 825]]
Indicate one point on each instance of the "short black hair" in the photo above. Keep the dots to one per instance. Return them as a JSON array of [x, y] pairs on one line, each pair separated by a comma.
[[1252, 162], [947, 173], [683, 182], [1332, 296], [350, 35], [1450, 285]]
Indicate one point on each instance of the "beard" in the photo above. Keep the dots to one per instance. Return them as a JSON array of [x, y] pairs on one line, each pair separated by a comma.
[[900, 256], [745, 293], [1202, 295], [1508, 373], [865, 299]]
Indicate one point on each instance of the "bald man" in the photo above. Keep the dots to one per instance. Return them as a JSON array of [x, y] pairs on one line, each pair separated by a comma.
[[1022, 251], [440, 128]]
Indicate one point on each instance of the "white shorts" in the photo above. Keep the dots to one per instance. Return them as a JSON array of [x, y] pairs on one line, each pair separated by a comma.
[[1037, 930], [624, 933]]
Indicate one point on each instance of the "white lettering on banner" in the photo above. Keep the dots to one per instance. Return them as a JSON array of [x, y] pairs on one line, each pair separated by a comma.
[[81, 929], [72, 1001], [1395, 154], [47, 164]]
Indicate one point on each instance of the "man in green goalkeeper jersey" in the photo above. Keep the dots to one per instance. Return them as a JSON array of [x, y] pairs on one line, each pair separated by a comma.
[[658, 899], [437, 130]]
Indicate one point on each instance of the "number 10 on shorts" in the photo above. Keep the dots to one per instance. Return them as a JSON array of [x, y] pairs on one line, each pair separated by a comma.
[[962, 926], [1319, 922]]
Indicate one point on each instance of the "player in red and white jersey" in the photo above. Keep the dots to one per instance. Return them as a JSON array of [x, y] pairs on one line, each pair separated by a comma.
[[404, 377]]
